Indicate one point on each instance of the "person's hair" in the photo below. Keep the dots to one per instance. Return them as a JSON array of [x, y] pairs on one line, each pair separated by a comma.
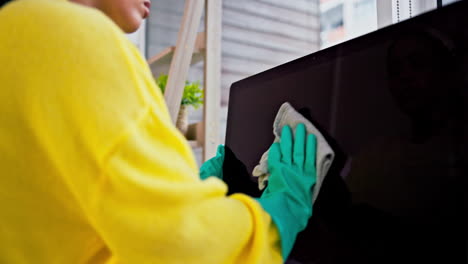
[[3, 2]]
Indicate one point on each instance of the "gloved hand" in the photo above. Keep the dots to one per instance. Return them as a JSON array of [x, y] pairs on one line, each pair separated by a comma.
[[213, 166], [288, 196]]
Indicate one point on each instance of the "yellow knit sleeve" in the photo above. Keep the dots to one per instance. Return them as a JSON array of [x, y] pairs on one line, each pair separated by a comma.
[[91, 106], [150, 207]]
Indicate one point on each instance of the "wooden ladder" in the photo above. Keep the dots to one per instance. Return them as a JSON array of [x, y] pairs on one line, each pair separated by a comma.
[[192, 47]]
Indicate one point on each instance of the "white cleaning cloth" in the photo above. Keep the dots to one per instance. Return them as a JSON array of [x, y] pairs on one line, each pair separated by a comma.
[[287, 115]]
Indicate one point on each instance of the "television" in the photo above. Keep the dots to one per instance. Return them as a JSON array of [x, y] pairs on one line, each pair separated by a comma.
[[393, 105]]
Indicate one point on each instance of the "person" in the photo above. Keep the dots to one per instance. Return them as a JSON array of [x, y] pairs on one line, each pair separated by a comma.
[[93, 170]]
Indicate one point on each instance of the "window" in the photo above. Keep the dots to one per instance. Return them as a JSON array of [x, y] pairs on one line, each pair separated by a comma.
[[345, 19], [342, 20]]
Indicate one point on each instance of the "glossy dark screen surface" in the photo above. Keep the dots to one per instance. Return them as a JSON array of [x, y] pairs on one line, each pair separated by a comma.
[[394, 105]]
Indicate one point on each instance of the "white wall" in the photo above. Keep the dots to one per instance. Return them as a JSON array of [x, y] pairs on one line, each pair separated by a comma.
[[139, 38]]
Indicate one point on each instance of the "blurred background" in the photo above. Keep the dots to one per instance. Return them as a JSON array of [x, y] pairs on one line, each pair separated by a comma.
[[260, 34]]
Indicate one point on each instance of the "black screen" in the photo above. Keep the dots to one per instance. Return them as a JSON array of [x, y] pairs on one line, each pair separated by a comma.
[[393, 104]]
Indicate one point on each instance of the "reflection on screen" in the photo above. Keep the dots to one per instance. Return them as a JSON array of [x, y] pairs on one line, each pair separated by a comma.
[[394, 105]]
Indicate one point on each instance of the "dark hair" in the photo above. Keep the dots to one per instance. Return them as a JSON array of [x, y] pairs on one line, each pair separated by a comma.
[[3, 2]]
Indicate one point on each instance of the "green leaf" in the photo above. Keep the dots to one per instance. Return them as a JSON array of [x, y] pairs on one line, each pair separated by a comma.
[[193, 93], [161, 82]]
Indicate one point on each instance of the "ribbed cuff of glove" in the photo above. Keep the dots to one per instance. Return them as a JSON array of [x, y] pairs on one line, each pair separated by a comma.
[[213, 166]]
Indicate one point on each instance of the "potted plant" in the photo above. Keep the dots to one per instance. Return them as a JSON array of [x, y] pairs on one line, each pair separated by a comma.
[[192, 96]]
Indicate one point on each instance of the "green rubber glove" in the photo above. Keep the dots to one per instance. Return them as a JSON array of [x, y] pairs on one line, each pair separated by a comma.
[[213, 166], [288, 196]]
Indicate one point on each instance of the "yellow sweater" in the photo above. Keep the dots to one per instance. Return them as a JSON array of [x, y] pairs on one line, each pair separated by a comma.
[[93, 171]]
